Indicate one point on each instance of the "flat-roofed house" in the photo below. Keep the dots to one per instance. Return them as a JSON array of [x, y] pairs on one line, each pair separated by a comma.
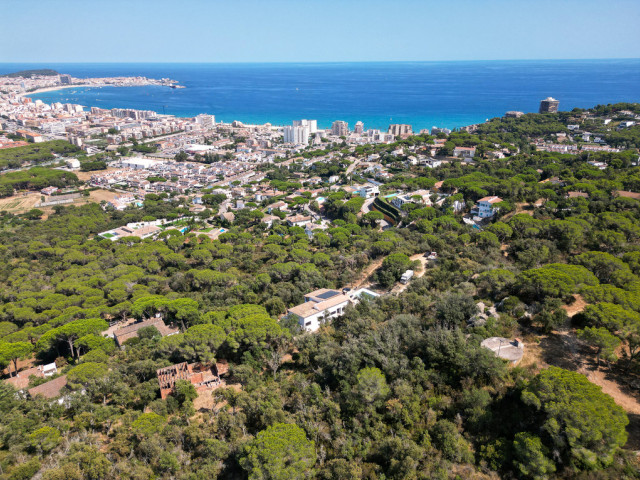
[[319, 306]]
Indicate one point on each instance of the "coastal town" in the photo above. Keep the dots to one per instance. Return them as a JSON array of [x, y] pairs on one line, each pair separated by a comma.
[[174, 287]]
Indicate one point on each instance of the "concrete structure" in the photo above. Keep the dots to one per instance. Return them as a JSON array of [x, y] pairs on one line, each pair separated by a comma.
[[320, 306], [65, 79], [549, 105], [511, 350], [131, 331], [340, 128], [359, 128]]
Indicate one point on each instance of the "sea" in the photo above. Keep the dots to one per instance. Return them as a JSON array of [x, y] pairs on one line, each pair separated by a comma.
[[423, 94]]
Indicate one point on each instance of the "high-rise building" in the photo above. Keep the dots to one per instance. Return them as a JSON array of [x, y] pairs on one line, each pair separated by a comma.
[[549, 105], [207, 121], [340, 128], [400, 129], [297, 135], [65, 79], [312, 124], [359, 128]]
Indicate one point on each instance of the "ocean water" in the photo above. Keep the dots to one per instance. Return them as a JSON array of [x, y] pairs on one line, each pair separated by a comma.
[[423, 94]]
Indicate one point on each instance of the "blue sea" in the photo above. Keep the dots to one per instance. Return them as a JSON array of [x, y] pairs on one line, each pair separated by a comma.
[[423, 94]]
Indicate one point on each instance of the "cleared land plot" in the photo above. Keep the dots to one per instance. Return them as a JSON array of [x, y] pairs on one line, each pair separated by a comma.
[[20, 203]]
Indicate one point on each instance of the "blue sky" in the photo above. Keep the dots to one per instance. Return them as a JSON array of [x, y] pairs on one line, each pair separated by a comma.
[[316, 31]]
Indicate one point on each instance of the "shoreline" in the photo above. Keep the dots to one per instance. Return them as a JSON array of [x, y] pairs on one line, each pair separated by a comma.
[[90, 85]]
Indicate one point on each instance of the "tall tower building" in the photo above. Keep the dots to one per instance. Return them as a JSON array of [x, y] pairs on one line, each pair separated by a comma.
[[340, 128], [359, 128], [400, 129], [549, 105], [312, 124], [297, 135]]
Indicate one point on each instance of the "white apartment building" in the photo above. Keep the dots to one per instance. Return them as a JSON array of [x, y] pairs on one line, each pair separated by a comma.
[[312, 124], [296, 135], [207, 121]]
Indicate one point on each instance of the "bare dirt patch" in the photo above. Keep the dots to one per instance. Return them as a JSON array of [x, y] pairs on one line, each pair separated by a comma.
[[20, 203], [86, 176], [576, 306], [362, 280], [563, 349], [100, 195]]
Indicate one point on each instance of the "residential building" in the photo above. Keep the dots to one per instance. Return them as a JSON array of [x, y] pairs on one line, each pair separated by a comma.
[[312, 125], [485, 207], [298, 220], [398, 129], [340, 128], [359, 128], [50, 389], [207, 121], [296, 135], [320, 306], [464, 152], [369, 190]]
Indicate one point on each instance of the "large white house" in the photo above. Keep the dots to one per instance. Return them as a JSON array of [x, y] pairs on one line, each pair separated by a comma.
[[485, 207], [320, 306], [326, 304], [464, 152]]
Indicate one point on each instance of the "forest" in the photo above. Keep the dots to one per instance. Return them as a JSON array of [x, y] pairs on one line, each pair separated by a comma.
[[398, 387]]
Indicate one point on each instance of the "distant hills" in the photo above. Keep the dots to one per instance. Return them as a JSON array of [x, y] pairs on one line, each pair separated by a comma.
[[31, 73]]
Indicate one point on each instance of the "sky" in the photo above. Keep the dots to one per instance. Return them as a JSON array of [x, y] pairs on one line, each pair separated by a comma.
[[316, 31]]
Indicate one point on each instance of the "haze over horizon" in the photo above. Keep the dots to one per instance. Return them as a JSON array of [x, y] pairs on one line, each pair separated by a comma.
[[284, 31]]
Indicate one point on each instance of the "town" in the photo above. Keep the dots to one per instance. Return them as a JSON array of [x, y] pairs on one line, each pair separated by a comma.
[[193, 259]]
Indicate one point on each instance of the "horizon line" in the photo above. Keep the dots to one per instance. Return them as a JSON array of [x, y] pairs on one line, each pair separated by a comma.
[[294, 62]]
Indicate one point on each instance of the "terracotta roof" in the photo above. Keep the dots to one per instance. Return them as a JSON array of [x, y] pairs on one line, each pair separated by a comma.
[[21, 380], [577, 195], [623, 193], [490, 199], [51, 389]]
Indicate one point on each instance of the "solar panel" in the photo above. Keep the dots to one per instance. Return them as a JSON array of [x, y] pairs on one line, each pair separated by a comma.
[[329, 294]]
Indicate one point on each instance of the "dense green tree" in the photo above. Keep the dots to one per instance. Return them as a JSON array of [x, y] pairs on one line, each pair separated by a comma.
[[280, 452]]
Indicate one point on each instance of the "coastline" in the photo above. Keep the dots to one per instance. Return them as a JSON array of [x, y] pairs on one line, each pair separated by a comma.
[[84, 85]]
